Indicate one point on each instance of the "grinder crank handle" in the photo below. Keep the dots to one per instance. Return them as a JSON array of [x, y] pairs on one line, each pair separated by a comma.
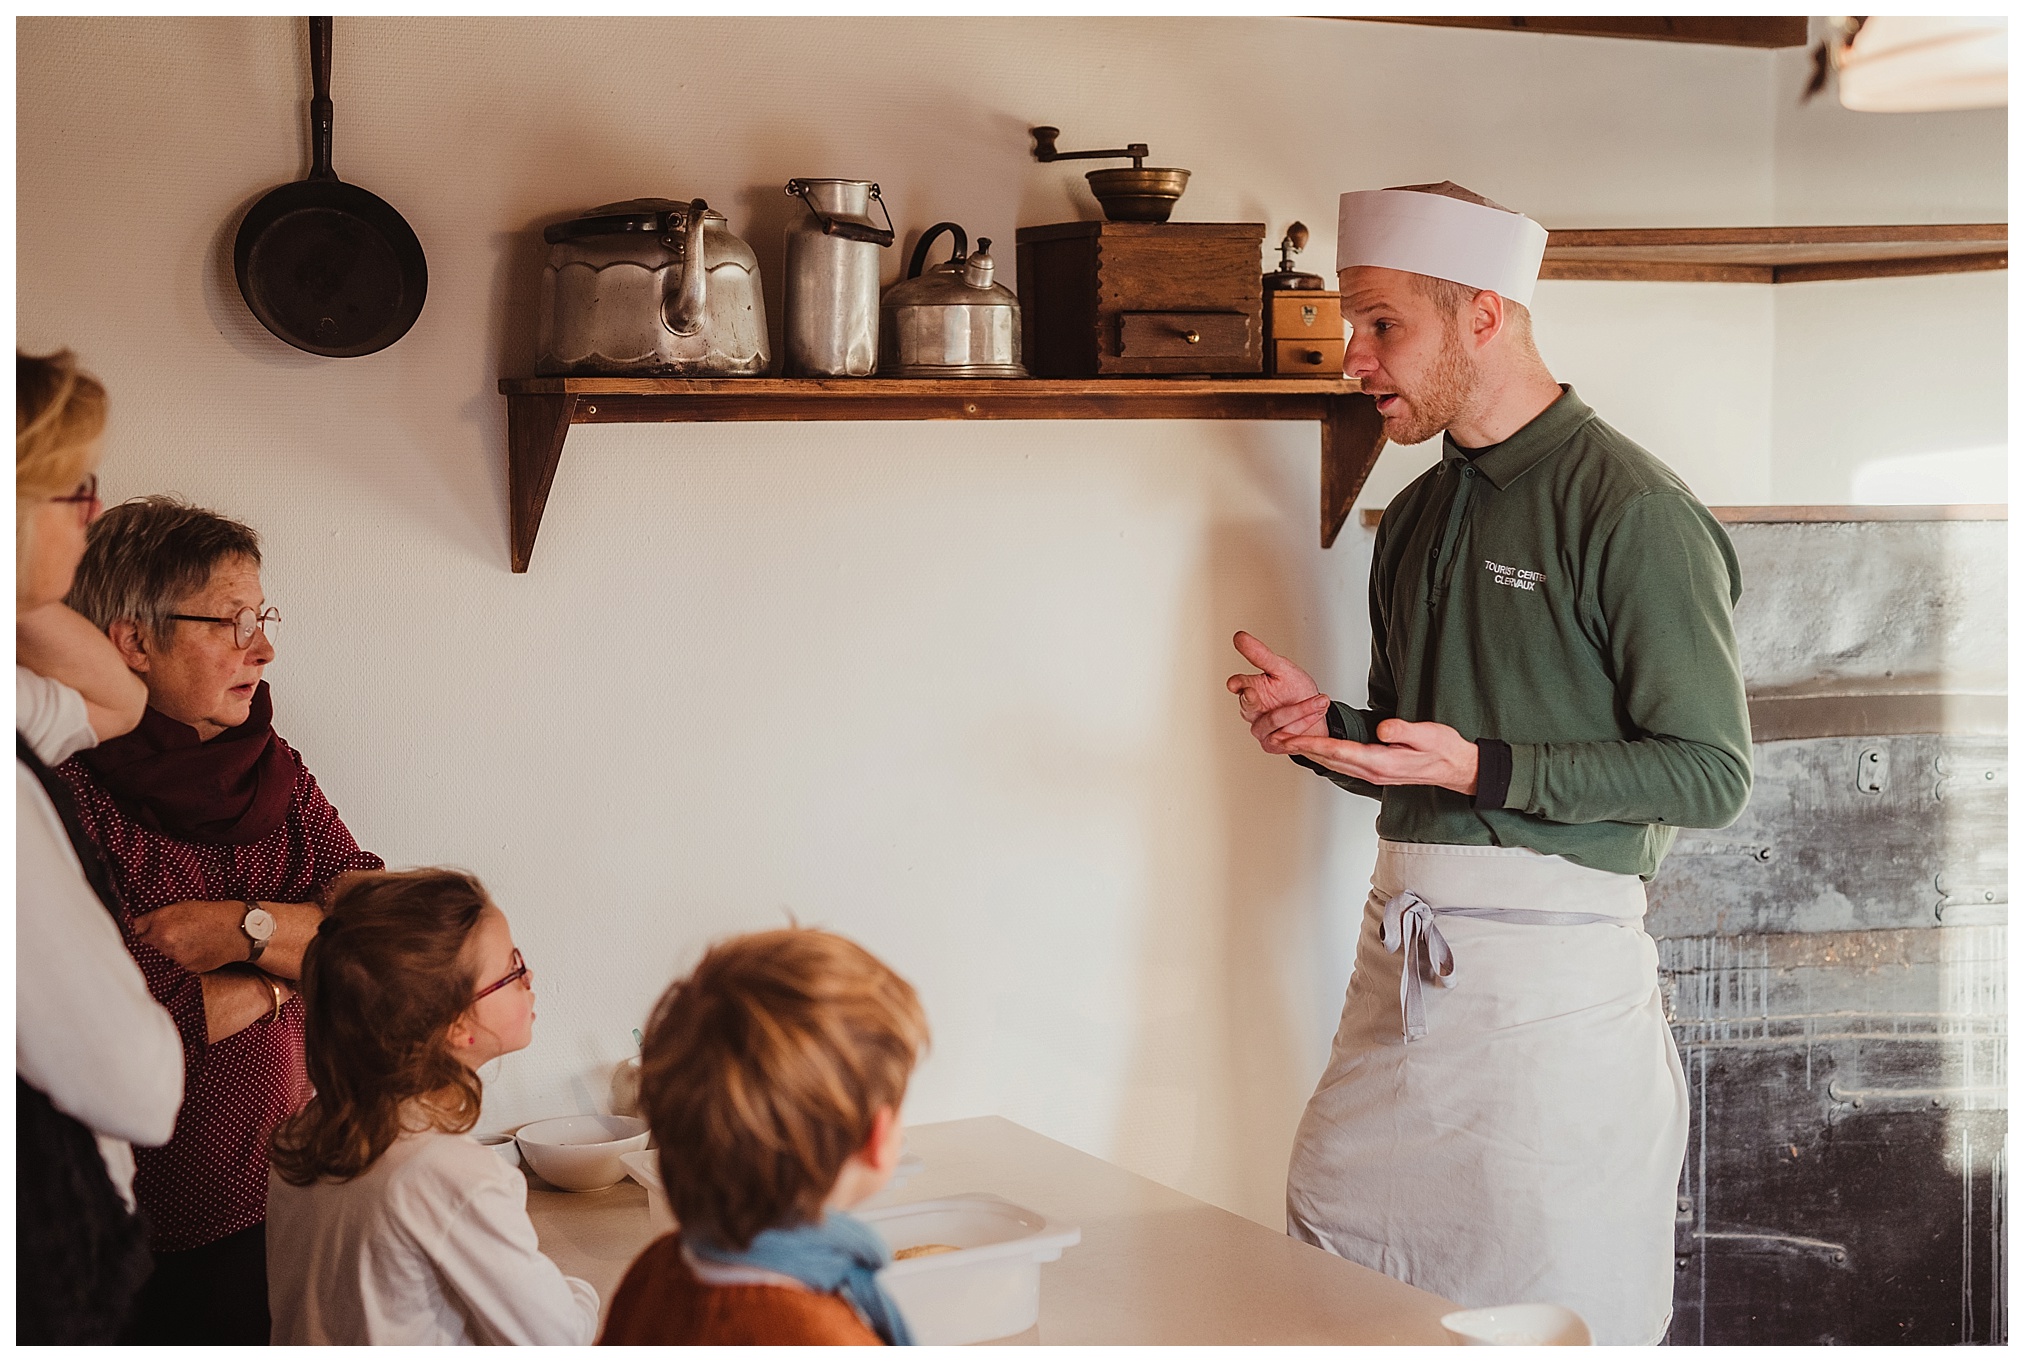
[[1045, 150]]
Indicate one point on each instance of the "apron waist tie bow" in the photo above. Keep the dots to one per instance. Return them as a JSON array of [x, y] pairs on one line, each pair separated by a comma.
[[1409, 925]]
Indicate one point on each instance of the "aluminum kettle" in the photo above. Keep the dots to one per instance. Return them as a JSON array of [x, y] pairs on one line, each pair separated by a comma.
[[953, 320], [651, 287]]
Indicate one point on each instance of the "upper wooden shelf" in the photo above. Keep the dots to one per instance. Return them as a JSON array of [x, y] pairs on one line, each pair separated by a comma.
[[1815, 515], [1760, 31], [1775, 255], [540, 411]]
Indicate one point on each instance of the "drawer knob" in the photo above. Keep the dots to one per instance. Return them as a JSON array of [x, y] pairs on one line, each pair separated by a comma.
[[1312, 356], [1192, 337]]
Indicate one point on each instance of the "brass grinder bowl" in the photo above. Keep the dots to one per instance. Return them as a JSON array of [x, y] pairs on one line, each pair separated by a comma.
[[1138, 193]]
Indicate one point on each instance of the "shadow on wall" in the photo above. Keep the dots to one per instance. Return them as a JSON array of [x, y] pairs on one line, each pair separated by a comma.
[[1218, 1051], [226, 306]]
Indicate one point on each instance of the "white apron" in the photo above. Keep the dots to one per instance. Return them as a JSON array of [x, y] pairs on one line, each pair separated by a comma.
[[1526, 1144]]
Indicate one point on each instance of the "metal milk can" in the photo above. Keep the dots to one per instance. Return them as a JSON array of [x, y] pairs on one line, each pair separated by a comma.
[[832, 279]]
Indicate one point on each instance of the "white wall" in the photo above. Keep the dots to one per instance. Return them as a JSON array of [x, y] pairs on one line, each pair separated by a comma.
[[954, 690], [1889, 390]]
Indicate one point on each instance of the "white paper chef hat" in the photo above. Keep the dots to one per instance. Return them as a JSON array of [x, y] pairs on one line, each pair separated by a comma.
[[1424, 231]]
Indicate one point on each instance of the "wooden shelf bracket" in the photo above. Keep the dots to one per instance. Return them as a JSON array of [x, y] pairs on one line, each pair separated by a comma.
[[540, 411]]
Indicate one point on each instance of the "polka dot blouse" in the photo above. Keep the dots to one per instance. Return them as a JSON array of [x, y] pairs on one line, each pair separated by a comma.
[[210, 1179]]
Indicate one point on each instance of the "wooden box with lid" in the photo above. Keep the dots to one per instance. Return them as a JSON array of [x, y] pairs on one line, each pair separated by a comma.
[[1113, 298], [1303, 333]]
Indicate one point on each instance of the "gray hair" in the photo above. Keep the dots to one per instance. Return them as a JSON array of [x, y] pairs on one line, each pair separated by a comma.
[[143, 556]]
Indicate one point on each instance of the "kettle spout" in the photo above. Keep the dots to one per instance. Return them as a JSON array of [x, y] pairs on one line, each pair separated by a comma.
[[686, 309]]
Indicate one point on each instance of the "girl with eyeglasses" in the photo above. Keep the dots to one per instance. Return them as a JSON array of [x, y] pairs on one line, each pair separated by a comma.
[[386, 1221]]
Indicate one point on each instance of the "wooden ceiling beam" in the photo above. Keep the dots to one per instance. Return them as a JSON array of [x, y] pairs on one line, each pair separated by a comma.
[[1745, 31]]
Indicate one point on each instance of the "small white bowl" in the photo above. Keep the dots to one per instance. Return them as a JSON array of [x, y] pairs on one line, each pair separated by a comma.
[[501, 1144], [580, 1153], [1518, 1326]]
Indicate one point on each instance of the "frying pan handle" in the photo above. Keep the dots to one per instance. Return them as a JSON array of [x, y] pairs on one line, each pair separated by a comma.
[[320, 109]]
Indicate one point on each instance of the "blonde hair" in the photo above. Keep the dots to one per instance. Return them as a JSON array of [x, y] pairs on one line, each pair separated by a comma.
[[762, 1072], [59, 414], [1451, 297]]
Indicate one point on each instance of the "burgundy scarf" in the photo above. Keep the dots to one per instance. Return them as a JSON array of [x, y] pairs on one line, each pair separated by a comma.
[[230, 791]]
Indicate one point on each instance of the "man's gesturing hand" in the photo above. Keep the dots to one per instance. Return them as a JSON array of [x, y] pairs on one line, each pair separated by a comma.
[[1281, 704], [1404, 754]]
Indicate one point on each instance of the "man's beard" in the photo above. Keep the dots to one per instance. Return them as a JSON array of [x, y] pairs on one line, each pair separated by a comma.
[[1442, 395]]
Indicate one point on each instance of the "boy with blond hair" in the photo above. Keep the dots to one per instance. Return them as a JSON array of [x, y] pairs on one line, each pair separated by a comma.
[[772, 1078]]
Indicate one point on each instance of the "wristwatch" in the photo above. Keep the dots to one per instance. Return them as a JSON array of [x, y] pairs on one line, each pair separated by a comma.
[[258, 924]]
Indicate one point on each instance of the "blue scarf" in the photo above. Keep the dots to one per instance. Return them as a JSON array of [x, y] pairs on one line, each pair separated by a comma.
[[837, 1253]]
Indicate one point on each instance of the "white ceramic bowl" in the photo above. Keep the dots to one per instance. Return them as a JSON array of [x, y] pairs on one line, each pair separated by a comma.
[[1519, 1325], [501, 1144], [580, 1153]]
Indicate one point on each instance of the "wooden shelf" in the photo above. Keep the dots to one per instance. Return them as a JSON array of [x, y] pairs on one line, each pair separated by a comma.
[[1774, 31], [1775, 255], [1815, 515], [540, 411]]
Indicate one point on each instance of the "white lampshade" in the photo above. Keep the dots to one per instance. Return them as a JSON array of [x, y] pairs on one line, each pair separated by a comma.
[[1923, 65]]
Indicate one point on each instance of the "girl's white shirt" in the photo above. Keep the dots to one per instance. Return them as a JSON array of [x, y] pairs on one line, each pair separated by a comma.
[[430, 1245]]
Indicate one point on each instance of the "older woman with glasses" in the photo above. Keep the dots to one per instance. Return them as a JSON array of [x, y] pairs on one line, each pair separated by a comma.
[[222, 845]]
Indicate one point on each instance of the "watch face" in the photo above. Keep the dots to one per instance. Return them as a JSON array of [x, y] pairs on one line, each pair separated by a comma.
[[259, 924]]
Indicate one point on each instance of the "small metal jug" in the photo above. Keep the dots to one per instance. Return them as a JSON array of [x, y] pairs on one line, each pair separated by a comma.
[[832, 268], [953, 320]]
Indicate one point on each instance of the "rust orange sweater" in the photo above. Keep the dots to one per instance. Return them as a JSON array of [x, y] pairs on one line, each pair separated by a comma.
[[660, 1301]]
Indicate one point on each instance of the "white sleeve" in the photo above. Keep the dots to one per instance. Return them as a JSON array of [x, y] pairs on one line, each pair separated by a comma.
[[491, 1262], [51, 716], [86, 1031]]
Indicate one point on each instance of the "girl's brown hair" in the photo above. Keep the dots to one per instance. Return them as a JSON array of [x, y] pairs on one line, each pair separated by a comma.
[[59, 413], [761, 1073], [381, 983]]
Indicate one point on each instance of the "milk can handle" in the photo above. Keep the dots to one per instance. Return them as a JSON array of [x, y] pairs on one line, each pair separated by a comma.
[[849, 231]]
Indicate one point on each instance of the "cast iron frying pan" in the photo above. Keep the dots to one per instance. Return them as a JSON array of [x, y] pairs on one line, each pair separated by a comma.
[[327, 266]]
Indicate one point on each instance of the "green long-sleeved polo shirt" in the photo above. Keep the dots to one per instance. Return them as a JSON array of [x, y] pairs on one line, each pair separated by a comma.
[[1565, 593]]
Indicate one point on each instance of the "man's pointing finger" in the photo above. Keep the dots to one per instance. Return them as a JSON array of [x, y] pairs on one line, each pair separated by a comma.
[[1258, 655]]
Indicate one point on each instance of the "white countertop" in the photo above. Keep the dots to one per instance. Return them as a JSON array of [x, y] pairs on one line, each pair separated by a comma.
[[1154, 1265]]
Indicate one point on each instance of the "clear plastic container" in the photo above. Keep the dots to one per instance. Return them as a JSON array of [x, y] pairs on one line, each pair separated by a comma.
[[990, 1286]]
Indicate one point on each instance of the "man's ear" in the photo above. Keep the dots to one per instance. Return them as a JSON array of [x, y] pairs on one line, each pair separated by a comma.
[[1487, 315], [126, 636]]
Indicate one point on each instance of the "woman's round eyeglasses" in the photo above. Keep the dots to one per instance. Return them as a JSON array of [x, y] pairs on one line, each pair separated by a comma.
[[86, 497], [245, 624], [514, 975]]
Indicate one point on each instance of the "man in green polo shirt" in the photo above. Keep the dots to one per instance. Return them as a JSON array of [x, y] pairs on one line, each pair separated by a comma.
[[1553, 692]]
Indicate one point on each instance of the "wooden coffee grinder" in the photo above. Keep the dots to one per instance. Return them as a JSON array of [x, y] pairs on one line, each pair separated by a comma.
[[1303, 319]]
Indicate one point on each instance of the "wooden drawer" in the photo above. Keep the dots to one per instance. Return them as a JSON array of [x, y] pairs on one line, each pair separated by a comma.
[[1100, 298], [1315, 358], [1212, 338], [1306, 315]]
